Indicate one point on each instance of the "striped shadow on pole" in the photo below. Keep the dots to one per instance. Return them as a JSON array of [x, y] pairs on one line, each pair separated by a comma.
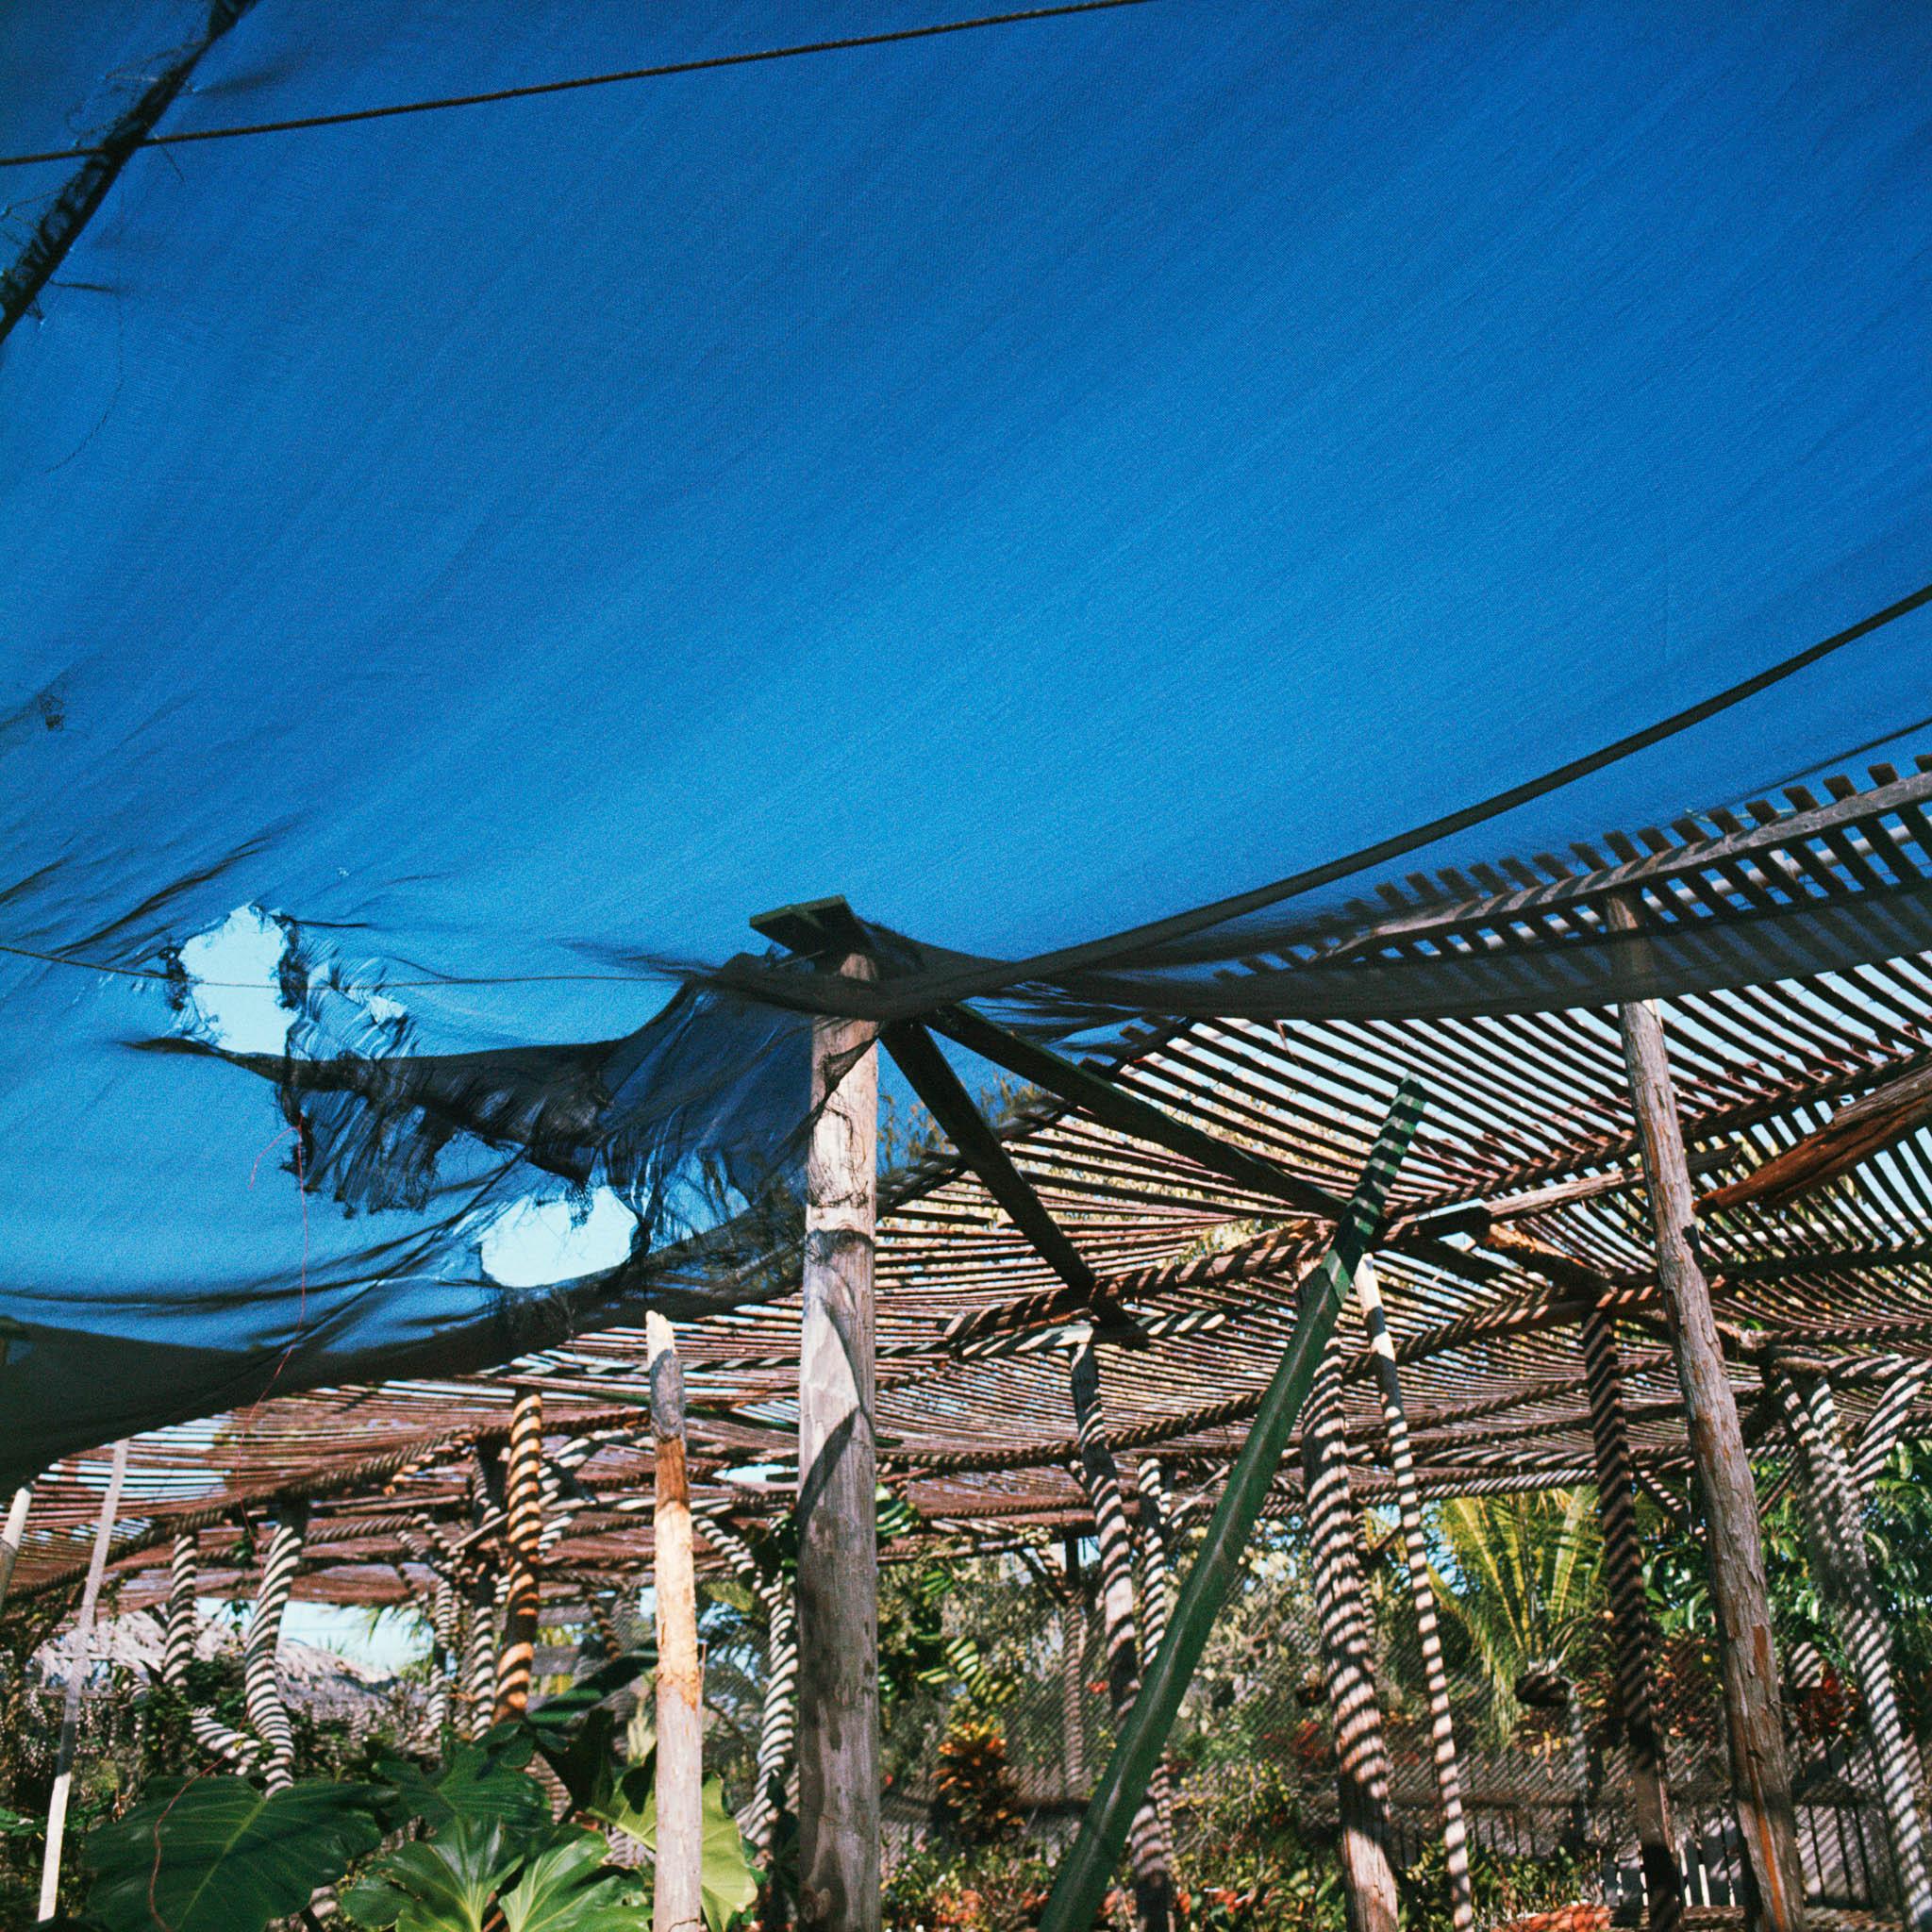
[[1096, 1850]]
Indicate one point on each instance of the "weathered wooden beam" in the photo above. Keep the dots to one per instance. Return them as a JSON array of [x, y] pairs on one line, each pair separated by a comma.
[[1361, 1756], [1834, 1531], [1633, 1632], [523, 1537], [837, 1543], [1422, 1594], [77, 1676], [1760, 1774], [677, 1893]]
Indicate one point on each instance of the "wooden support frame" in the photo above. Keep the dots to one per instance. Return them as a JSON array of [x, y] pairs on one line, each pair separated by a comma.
[[1760, 1773], [837, 1532], [268, 1716]]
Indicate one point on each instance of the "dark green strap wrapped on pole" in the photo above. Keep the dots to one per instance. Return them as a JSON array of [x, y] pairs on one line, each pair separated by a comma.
[[1096, 1850]]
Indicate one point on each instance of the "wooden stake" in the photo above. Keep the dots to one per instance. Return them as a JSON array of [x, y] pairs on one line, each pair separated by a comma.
[[838, 1540], [1361, 1759], [1834, 1531], [1761, 1776], [677, 1893], [10, 1537], [77, 1677], [523, 1533], [1421, 1593], [1633, 1634]]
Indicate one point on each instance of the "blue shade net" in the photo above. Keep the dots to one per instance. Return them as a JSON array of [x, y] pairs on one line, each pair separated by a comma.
[[1032, 481]]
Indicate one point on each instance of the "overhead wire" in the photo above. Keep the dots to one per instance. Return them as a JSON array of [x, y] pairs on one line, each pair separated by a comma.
[[845, 44]]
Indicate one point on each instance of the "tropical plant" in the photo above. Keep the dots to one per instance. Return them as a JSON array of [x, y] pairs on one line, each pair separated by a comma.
[[1524, 1581]]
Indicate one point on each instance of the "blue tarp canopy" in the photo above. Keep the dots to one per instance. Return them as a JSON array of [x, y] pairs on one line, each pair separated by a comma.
[[1031, 480]]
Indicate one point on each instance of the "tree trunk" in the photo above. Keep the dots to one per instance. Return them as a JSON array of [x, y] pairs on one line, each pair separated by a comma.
[[1421, 1593], [261, 1681], [838, 1539], [1835, 1529], [1100, 1476], [677, 1894], [1360, 1756], [523, 1533]]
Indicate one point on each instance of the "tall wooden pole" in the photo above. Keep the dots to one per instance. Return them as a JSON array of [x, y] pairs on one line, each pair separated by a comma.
[[1761, 1776], [77, 1677], [178, 1626], [838, 1540], [523, 1535], [1073, 1674], [677, 1893], [1633, 1633], [11, 1536], [1361, 1757], [1101, 1478], [1835, 1530], [1422, 1592]]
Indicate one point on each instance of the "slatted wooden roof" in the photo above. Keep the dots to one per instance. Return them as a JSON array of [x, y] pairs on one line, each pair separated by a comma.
[[1520, 1201]]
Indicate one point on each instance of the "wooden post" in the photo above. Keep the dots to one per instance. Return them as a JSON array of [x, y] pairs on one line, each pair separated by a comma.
[[77, 1677], [261, 1681], [478, 1687], [445, 1620], [1157, 1600], [838, 1538], [1761, 1776], [1633, 1633], [11, 1537], [178, 1624], [1101, 1478], [677, 1894], [1360, 1756], [1835, 1530], [523, 1532], [1422, 1591]]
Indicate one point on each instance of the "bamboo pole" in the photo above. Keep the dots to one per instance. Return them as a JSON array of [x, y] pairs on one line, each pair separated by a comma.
[[677, 1893], [838, 1538], [1835, 1529], [1448, 1765], [11, 1536], [1633, 1633], [1100, 1478], [1217, 1567], [1761, 1776], [1361, 1757], [76, 1678], [523, 1534]]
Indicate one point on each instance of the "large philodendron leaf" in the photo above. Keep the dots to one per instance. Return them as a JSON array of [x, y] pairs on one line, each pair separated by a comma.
[[217, 1854], [484, 1782], [729, 1883], [570, 1889], [444, 1883]]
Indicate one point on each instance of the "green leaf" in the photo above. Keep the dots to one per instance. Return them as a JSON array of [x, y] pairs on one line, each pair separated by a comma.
[[444, 1883], [481, 1781], [569, 1888], [729, 1884], [219, 1856]]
